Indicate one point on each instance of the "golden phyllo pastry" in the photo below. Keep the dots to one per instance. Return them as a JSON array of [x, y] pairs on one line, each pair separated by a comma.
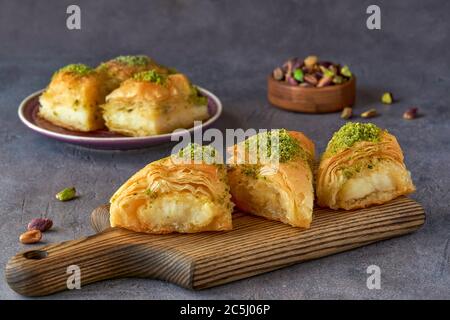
[[117, 70], [362, 165], [72, 99], [174, 195], [279, 186], [151, 103]]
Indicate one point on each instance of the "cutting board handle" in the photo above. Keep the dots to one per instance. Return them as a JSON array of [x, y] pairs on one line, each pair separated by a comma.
[[114, 253], [203, 260]]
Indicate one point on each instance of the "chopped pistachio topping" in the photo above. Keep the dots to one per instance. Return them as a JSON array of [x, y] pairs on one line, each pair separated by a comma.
[[250, 170], [287, 147], [151, 76], [77, 68], [139, 60], [197, 98], [351, 133], [194, 151]]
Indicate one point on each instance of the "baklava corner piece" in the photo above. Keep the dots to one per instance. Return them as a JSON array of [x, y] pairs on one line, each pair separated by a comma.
[[282, 190], [72, 98], [151, 103], [363, 165], [167, 196]]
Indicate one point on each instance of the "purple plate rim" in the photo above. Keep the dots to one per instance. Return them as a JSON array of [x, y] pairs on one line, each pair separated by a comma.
[[156, 139]]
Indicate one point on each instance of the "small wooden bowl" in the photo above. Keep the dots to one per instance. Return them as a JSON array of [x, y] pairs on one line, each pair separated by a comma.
[[311, 100]]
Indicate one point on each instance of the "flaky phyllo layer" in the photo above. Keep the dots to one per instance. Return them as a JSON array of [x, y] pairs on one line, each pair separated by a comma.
[[362, 165], [151, 103], [72, 97], [280, 191], [168, 197]]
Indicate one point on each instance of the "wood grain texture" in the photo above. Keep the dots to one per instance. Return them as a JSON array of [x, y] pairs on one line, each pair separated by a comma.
[[203, 260], [311, 100]]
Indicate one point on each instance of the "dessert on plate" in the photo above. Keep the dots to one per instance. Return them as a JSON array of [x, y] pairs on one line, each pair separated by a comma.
[[131, 95], [152, 103], [72, 98]]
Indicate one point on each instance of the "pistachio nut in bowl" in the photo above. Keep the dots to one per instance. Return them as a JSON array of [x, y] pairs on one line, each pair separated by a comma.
[[311, 86]]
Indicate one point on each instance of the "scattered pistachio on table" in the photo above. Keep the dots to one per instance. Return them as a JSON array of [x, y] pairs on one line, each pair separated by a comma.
[[387, 98], [410, 114], [66, 194], [41, 224], [31, 236], [315, 73], [347, 113], [369, 113]]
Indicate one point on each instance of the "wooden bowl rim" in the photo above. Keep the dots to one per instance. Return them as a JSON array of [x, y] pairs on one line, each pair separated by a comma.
[[310, 89]]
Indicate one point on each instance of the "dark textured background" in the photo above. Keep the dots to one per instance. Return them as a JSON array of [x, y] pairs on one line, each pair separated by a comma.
[[229, 47]]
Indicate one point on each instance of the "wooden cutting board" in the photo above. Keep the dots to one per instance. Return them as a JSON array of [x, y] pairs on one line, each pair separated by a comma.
[[203, 260]]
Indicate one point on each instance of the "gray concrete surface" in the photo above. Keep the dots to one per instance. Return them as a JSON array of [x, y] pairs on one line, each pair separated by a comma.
[[229, 47]]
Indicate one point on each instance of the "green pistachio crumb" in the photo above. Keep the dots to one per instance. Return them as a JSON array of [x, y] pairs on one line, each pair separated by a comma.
[[351, 133], [151, 76], [250, 170], [78, 69], [288, 147], [197, 98], [194, 151], [139, 60]]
